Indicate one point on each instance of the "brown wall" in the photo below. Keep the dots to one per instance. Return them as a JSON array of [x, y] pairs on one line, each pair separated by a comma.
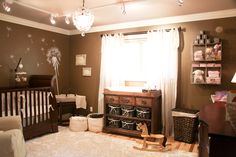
[[190, 96], [26, 42], [31, 44]]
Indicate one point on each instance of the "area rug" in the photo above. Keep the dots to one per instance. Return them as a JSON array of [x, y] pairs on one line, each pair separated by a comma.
[[66, 143]]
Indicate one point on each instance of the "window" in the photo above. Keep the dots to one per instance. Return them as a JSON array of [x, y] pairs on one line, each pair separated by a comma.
[[134, 60]]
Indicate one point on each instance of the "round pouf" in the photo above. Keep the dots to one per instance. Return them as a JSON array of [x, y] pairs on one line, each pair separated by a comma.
[[95, 122], [78, 123]]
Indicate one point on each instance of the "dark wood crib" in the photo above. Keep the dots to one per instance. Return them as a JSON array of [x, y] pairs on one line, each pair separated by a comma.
[[36, 104]]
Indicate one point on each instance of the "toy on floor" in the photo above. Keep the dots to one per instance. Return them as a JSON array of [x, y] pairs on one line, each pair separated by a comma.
[[152, 142]]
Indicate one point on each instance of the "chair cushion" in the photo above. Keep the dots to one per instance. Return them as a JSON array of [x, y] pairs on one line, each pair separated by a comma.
[[12, 143]]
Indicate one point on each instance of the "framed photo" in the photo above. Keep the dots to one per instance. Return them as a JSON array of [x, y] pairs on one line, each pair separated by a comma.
[[87, 71], [80, 59]]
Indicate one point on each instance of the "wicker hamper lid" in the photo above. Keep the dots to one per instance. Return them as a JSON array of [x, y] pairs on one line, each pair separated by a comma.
[[182, 112]]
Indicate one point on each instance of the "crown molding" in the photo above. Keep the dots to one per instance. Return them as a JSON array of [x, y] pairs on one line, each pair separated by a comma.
[[162, 21], [24, 22], [125, 25]]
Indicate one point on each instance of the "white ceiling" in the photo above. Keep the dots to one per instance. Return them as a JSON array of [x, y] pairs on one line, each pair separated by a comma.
[[109, 12]]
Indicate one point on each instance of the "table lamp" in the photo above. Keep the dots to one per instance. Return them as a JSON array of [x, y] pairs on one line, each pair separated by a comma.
[[234, 79]]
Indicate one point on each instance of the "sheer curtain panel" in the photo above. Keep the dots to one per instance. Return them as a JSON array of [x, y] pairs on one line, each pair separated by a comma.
[[161, 62], [112, 55]]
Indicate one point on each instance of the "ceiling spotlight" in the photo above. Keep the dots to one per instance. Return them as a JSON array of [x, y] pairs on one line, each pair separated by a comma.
[[52, 19], [6, 6], [123, 9], [67, 20], [180, 2]]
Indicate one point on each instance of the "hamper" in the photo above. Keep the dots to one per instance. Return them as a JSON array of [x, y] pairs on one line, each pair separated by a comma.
[[185, 124], [95, 122], [78, 123]]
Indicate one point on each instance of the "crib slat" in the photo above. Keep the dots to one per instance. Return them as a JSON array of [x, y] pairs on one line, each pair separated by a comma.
[[1, 104], [16, 103], [6, 106], [39, 95], [30, 108], [11, 104], [43, 104], [21, 108], [26, 109], [47, 99], [34, 102]]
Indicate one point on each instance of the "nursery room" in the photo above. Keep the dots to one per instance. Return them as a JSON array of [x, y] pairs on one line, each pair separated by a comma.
[[122, 78]]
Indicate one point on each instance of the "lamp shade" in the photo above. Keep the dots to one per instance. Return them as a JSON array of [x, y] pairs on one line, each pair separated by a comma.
[[234, 79]]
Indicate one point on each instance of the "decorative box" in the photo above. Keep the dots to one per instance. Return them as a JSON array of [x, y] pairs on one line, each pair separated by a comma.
[[143, 112], [128, 124], [114, 123], [114, 109], [128, 111]]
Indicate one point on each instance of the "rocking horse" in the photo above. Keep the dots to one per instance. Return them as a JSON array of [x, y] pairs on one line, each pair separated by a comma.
[[157, 141]]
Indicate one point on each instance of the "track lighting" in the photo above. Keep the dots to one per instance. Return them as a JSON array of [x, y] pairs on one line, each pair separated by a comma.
[[52, 19], [67, 20], [180, 2], [6, 6]]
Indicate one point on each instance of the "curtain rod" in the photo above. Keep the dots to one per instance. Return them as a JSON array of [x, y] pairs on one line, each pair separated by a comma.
[[145, 32]]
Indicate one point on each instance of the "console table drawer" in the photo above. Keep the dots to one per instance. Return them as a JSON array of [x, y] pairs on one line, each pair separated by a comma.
[[144, 102], [112, 99], [127, 100]]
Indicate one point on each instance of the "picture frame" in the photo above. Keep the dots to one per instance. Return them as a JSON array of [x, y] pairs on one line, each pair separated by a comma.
[[80, 59], [87, 71]]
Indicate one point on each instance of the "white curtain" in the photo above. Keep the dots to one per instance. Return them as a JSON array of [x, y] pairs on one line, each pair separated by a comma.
[[111, 65], [161, 64]]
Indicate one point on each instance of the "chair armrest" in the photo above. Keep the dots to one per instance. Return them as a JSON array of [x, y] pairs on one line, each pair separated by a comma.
[[10, 122], [12, 144]]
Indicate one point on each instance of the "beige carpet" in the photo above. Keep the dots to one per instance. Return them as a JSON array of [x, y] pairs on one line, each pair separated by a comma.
[[88, 144]]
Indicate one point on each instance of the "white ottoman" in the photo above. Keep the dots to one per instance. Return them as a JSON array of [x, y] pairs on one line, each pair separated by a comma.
[[95, 122], [78, 123]]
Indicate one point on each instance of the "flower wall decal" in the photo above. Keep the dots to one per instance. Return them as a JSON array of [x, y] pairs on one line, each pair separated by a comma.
[[54, 57]]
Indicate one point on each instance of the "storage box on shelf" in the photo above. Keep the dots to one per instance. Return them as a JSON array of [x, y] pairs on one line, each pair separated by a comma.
[[206, 57], [124, 110]]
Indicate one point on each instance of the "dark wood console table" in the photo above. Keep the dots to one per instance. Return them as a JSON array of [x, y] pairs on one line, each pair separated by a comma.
[[221, 133]]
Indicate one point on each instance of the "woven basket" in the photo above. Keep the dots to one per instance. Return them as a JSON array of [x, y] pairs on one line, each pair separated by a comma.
[[185, 124], [95, 122]]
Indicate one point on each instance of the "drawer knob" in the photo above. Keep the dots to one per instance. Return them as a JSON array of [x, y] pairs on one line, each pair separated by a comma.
[[112, 99], [126, 100], [144, 102]]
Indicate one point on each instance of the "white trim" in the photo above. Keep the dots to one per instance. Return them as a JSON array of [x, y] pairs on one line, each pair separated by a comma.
[[162, 21], [24, 22], [143, 23]]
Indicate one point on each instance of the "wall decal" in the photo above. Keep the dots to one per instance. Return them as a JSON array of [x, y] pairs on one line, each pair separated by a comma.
[[8, 31], [43, 40], [30, 37], [27, 50], [11, 56], [53, 57]]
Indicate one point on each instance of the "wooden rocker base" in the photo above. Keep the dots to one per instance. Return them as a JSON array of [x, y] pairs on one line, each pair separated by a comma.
[[152, 142], [158, 149]]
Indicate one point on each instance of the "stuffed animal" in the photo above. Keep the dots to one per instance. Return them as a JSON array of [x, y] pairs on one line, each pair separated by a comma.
[[198, 76]]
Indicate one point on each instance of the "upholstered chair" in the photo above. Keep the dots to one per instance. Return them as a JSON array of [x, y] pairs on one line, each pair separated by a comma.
[[12, 143], [203, 148]]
